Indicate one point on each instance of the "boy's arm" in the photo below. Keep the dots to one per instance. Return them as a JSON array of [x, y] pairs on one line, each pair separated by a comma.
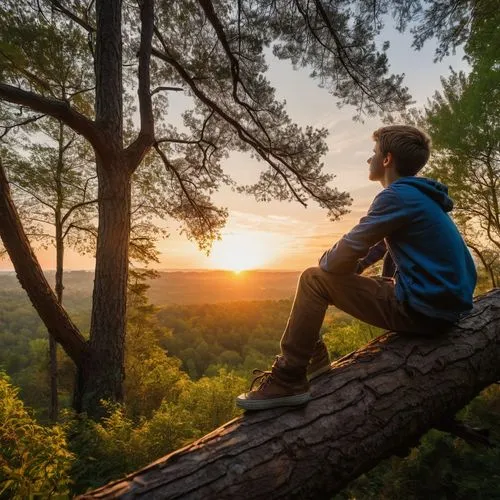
[[386, 215], [375, 254]]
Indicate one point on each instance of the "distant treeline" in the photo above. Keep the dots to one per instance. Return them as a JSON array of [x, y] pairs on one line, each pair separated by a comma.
[[186, 287]]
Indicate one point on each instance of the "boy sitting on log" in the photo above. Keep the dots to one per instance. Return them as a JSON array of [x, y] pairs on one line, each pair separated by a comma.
[[432, 275]]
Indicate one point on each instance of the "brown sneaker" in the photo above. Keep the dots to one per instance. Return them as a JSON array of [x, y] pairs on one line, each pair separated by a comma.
[[275, 389], [320, 361]]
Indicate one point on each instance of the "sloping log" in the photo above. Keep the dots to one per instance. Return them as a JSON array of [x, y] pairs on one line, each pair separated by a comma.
[[32, 279], [376, 401]]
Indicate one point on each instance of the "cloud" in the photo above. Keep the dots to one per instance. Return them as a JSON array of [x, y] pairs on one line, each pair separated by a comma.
[[270, 223], [284, 219]]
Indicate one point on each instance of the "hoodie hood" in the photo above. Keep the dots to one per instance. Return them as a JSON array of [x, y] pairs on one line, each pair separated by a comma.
[[431, 188]]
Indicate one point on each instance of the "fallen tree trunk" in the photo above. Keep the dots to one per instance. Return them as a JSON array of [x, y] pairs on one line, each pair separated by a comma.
[[373, 403], [31, 277]]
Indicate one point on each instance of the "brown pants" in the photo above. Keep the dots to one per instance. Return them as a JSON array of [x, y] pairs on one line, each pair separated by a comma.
[[371, 300]]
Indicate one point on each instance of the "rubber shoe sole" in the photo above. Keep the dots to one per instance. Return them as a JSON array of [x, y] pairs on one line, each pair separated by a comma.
[[318, 372], [266, 404]]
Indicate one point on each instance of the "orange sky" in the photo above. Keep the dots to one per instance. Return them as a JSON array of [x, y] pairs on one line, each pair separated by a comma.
[[287, 235]]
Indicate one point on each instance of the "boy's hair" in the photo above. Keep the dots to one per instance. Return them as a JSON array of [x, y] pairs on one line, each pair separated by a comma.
[[409, 146]]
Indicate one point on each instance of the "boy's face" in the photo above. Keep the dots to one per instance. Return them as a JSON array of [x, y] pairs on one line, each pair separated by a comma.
[[376, 162]]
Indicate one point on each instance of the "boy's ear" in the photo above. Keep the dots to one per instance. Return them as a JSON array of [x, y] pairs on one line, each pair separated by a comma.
[[388, 160]]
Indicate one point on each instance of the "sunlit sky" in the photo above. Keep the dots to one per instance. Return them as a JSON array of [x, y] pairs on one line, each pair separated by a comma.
[[282, 235]]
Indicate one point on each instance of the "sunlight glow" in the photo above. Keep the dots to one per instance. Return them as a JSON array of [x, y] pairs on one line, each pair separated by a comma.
[[242, 251]]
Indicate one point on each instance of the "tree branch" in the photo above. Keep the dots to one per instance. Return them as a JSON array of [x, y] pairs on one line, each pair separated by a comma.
[[168, 89], [487, 267], [87, 185], [8, 128], [264, 151], [33, 195], [341, 51], [75, 207], [80, 228], [181, 182], [145, 139], [209, 10], [57, 109], [29, 75], [78, 92], [63, 10]]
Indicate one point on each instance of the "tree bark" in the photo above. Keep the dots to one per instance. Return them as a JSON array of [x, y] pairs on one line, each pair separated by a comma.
[[374, 402], [102, 377]]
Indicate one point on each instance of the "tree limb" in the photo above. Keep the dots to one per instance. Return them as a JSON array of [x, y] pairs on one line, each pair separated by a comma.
[[182, 185], [57, 109], [167, 89], [209, 10], [145, 139], [467, 433], [79, 228], [63, 10], [264, 151], [29, 75], [8, 128], [75, 207], [33, 195]]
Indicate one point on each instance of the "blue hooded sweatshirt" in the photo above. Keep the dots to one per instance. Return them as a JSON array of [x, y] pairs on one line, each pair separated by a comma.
[[435, 272]]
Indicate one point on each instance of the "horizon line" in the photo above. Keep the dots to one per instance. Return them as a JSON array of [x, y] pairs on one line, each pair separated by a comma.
[[180, 269]]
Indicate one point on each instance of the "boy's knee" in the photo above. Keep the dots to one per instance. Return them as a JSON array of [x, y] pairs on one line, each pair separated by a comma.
[[315, 274], [310, 273]]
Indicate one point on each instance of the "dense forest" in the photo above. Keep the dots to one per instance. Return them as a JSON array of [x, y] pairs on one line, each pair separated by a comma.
[[185, 364]]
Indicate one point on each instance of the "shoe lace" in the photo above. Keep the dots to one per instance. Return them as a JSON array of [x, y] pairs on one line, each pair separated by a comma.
[[261, 380]]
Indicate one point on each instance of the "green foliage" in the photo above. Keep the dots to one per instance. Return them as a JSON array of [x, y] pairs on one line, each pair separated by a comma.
[[463, 120], [152, 375], [24, 346], [211, 400], [343, 337], [451, 23], [237, 335], [118, 445], [34, 460], [163, 409]]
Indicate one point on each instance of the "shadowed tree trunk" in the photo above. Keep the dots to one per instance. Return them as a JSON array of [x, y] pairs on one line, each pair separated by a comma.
[[103, 376], [59, 286], [375, 402]]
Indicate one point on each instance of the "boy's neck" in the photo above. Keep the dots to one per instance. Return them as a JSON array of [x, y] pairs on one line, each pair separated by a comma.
[[390, 175]]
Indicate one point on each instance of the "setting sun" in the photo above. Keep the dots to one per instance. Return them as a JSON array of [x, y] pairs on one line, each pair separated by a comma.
[[242, 251]]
